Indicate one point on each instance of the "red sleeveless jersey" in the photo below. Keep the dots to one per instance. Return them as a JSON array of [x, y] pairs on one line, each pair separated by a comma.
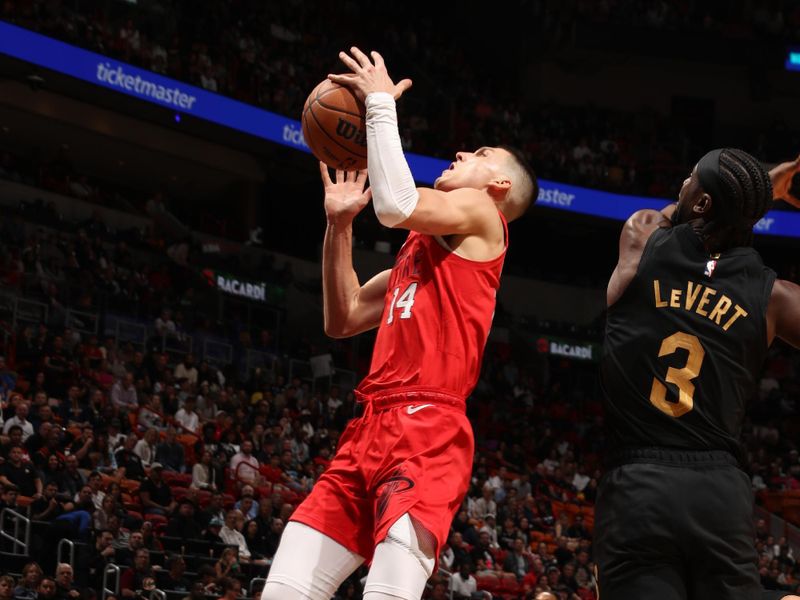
[[436, 318]]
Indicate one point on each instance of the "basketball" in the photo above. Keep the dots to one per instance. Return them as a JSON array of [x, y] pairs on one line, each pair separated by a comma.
[[334, 127]]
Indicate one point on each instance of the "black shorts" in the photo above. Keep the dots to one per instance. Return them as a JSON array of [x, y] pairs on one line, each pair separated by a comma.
[[675, 525]]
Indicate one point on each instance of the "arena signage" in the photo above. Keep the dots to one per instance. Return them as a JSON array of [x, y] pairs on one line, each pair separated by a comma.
[[188, 99], [568, 348], [236, 287]]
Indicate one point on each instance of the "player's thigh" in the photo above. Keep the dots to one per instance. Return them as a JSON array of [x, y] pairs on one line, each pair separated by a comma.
[[637, 536], [722, 564], [640, 581], [402, 563], [308, 565]]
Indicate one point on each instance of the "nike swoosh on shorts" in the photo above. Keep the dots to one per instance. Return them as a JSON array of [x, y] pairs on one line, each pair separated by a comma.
[[413, 409]]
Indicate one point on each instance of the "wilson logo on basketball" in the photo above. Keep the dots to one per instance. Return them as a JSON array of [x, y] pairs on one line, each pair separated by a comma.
[[351, 132]]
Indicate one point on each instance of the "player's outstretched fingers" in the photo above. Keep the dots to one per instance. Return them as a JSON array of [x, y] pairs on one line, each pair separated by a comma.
[[347, 79], [362, 58], [326, 175], [349, 62]]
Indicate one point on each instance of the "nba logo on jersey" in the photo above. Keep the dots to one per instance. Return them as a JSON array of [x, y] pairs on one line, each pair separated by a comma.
[[710, 266]]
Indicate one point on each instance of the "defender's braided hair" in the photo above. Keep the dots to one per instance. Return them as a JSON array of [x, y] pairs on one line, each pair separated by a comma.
[[742, 196]]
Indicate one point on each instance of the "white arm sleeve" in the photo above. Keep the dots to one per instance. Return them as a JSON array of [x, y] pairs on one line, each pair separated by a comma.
[[394, 194]]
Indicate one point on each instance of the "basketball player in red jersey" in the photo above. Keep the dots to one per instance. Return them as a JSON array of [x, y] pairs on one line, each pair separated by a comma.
[[403, 468]]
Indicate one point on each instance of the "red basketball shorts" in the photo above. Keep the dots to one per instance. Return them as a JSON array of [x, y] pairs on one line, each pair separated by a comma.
[[413, 457]]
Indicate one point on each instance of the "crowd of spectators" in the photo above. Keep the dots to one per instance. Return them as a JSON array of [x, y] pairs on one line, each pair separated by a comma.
[[278, 53], [160, 452]]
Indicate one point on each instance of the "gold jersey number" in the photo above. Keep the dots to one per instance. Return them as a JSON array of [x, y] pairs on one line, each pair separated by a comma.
[[680, 377]]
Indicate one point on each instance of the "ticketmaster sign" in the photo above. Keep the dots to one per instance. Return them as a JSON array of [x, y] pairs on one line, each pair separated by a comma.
[[184, 98]]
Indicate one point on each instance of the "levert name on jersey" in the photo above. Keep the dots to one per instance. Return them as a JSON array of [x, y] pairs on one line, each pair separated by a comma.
[[701, 299]]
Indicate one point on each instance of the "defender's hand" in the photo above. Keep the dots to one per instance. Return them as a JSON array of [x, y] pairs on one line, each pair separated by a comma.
[[781, 177], [345, 197], [367, 77]]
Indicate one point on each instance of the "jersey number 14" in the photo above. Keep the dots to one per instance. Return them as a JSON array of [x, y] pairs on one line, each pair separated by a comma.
[[402, 302]]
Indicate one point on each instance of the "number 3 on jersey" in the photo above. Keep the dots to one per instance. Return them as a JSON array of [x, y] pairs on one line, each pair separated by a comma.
[[402, 301], [682, 378]]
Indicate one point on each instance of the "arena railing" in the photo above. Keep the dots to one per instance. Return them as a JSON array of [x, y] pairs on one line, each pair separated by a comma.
[[115, 572], [19, 520], [70, 546]]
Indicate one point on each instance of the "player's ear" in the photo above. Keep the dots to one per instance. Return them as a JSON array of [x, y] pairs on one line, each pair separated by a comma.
[[703, 205], [499, 186]]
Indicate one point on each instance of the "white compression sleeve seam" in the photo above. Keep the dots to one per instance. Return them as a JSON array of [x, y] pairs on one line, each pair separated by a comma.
[[394, 194]]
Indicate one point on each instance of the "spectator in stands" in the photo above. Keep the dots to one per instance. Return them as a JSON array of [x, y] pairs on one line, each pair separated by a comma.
[[214, 509], [212, 531], [101, 458], [519, 560], [73, 410], [123, 395], [244, 465], [173, 579], [102, 554], [38, 439], [273, 537], [484, 505], [115, 436], [21, 475], [147, 417], [254, 539], [48, 507], [490, 527], [462, 584], [126, 554], [145, 448], [71, 480], [186, 371], [108, 509], [7, 587], [183, 524], [170, 453], [136, 578], [230, 588], [95, 482], [227, 565], [187, 418], [129, 465], [20, 418], [231, 533], [29, 582], [204, 474], [11, 439], [65, 588], [155, 494], [8, 379], [47, 589]]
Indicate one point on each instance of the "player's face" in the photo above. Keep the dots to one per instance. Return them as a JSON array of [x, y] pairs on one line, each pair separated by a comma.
[[473, 169]]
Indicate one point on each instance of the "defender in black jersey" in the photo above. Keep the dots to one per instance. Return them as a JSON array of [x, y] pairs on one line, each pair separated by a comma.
[[691, 312]]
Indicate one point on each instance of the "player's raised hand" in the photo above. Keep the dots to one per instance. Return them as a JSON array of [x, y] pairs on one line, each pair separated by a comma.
[[368, 76], [345, 196], [781, 177]]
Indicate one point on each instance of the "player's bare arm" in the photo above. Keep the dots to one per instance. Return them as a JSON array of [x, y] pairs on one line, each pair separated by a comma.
[[781, 177], [635, 233], [783, 313], [349, 307], [397, 201]]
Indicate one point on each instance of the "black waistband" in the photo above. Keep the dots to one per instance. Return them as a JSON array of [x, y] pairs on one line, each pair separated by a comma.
[[670, 456]]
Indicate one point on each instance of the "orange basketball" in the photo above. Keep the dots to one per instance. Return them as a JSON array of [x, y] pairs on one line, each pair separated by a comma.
[[334, 127]]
